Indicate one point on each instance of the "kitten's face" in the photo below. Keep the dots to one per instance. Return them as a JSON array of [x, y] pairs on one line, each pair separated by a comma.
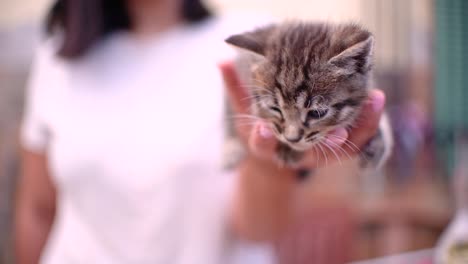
[[301, 110], [310, 78]]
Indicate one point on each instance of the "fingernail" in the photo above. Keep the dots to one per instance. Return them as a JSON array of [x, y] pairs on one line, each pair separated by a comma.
[[337, 137], [378, 101], [262, 142], [265, 131]]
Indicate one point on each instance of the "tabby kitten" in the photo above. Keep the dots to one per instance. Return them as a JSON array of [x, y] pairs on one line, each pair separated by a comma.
[[306, 79]]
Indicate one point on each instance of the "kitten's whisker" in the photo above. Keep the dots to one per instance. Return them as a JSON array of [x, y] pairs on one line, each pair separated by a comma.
[[253, 105], [252, 86], [258, 88], [323, 152], [334, 153], [261, 96], [250, 97], [245, 118], [326, 156], [317, 161], [347, 142], [255, 96], [353, 147], [256, 103], [245, 124], [341, 149], [260, 81], [238, 116]]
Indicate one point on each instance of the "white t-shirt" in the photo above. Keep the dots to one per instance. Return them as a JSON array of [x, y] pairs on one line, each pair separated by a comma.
[[133, 132]]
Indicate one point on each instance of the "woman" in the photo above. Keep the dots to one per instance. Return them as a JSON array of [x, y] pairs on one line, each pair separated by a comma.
[[122, 136]]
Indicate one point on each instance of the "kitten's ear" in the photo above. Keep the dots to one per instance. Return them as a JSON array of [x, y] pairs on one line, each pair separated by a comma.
[[355, 59], [255, 41]]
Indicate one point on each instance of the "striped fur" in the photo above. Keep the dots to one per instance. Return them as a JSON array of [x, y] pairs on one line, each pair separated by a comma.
[[305, 79]]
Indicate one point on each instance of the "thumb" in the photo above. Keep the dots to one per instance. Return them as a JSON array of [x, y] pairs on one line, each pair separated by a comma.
[[236, 91]]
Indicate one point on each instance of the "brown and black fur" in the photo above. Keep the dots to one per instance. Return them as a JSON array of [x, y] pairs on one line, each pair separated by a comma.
[[307, 79]]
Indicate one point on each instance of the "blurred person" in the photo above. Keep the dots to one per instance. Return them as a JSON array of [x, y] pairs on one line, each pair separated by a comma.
[[122, 137]]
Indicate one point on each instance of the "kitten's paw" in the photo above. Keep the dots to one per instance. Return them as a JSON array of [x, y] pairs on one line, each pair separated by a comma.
[[233, 153], [372, 153], [377, 151], [287, 156]]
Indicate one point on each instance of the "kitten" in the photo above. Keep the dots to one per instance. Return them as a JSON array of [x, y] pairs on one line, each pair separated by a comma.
[[306, 79]]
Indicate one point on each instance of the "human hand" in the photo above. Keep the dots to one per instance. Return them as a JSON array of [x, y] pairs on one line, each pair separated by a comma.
[[342, 144]]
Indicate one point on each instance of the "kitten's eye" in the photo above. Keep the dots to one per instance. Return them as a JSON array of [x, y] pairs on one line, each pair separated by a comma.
[[317, 114], [276, 109], [308, 103], [339, 106]]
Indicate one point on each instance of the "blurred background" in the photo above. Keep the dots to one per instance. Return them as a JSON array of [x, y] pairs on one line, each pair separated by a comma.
[[421, 63]]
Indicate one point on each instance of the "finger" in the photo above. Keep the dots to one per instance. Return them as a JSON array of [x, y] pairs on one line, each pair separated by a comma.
[[262, 142], [368, 121], [236, 91], [337, 137]]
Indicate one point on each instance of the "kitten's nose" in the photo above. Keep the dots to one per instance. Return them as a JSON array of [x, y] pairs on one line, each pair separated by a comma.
[[293, 135], [293, 140]]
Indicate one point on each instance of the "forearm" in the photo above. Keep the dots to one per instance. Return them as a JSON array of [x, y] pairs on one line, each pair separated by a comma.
[[35, 208], [32, 229], [264, 200]]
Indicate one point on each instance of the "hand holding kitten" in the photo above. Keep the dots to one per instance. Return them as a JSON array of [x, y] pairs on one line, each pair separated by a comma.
[[262, 143], [307, 82], [299, 98]]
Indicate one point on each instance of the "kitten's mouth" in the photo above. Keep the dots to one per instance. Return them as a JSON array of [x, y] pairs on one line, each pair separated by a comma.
[[304, 144], [301, 146]]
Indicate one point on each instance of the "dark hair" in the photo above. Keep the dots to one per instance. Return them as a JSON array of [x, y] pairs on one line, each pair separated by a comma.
[[85, 22]]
